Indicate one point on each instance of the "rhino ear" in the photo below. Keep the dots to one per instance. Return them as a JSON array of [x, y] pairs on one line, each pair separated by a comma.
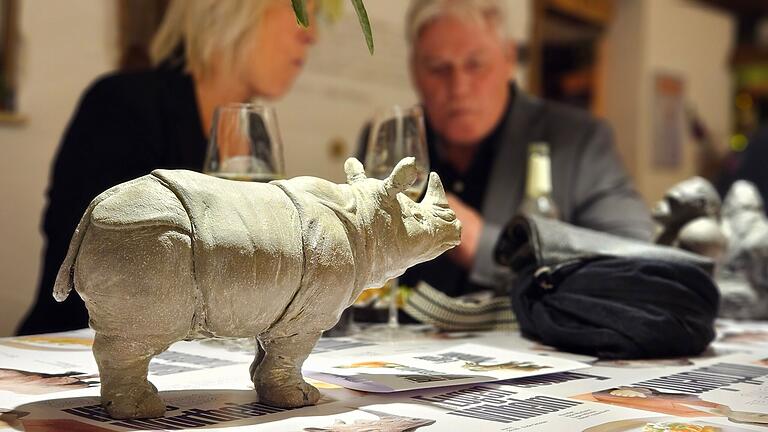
[[354, 170], [402, 177], [435, 192]]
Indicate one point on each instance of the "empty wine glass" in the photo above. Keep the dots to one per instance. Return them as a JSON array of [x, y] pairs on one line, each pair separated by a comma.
[[245, 144], [397, 133]]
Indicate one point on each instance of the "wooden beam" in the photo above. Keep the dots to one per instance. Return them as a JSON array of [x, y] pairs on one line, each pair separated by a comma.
[[739, 7], [9, 40], [594, 11]]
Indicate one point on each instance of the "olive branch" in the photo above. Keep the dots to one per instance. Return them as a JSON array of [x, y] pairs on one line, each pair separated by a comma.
[[299, 7]]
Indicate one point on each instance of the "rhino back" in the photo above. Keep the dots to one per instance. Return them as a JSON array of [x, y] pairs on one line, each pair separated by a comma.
[[142, 202], [247, 249]]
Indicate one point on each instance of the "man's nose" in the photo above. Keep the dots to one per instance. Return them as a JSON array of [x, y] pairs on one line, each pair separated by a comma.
[[459, 83]]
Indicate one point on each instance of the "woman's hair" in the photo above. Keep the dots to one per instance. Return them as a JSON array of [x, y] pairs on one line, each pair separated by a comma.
[[205, 27], [422, 12]]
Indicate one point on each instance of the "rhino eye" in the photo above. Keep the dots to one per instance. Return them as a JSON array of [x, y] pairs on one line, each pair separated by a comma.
[[418, 216]]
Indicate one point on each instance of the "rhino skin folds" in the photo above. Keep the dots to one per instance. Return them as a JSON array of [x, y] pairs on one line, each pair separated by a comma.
[[180, 255]]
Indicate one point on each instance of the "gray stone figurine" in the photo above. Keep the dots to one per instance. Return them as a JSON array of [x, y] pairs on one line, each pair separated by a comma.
[[746, 226], [181, 255], [689, 218]]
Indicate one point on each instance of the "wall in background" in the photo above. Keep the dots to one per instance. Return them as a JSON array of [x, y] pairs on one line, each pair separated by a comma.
[[341, 87], [675, 37], [64, 46]]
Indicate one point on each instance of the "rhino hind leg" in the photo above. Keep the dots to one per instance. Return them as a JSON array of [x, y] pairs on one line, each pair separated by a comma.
[[123, 366], [257, 360], [276, 373]]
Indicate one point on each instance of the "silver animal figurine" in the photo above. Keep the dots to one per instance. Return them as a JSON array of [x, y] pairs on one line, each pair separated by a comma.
[[746, 226], [180, 255], [689, 218]]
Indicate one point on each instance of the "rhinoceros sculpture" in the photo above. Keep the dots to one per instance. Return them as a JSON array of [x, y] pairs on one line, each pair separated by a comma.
[[180, 255]]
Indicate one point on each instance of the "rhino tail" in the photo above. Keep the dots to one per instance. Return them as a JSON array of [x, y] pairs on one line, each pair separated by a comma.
[[65, 278]]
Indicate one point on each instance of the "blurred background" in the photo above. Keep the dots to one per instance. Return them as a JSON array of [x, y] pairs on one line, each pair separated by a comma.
[[684, 83]]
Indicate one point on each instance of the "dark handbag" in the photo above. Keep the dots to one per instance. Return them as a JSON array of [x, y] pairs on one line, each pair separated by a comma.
[[594, 293]]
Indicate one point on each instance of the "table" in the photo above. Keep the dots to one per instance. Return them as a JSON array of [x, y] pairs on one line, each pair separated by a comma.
[[50, 383]]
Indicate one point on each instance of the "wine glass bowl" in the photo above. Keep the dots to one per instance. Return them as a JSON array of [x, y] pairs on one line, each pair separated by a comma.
[[396, 133], [245, 144]]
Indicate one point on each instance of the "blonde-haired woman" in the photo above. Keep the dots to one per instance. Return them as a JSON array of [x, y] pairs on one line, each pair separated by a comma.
[[206, 53]]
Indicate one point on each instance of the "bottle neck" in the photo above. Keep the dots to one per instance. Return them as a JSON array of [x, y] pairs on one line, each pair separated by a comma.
[[539, 181]]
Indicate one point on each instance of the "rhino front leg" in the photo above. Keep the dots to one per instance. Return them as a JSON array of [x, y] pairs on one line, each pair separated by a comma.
[[277, 376], [123, 365]]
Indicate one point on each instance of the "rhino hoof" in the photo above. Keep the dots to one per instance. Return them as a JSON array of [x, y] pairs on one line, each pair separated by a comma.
[[143, 404], [289, 397]]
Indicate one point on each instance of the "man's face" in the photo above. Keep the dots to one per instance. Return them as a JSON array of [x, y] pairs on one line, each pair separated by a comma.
[[461, 70]]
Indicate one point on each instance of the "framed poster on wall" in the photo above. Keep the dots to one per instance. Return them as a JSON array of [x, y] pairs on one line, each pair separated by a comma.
[[8, 55], [668, 106]]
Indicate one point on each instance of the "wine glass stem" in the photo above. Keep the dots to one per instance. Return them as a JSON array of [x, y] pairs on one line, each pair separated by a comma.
[[393, 292]]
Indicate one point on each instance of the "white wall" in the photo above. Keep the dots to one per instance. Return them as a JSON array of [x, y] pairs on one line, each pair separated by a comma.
[[695, 43], [669, 36], [622, 72], [341, 87], [64, 46]]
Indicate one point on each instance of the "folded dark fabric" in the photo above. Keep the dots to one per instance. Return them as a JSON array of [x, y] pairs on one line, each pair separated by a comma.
[[546, 242], [602, 295]]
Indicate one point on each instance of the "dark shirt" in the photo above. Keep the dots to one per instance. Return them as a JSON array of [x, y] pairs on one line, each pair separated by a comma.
[[749, 165], [470, 187], [126, 125]]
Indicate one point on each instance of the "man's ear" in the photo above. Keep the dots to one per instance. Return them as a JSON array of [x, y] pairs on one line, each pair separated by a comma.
[[510, 53]]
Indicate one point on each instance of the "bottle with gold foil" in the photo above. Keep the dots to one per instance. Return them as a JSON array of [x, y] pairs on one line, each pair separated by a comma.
[[538, 186]]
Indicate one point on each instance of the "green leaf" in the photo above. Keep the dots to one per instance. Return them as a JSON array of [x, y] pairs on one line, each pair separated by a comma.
[[365, 24], [301, 12]]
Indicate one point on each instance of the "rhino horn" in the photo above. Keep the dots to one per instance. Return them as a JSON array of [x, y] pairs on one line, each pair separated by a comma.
[[402, 177], [354, 170], [435, 192]]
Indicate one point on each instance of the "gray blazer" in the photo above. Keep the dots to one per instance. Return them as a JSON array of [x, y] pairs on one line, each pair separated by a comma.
[[589, 184]]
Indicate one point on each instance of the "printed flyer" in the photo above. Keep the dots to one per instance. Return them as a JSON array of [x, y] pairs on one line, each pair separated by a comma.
[[50, 383], [462, 364], [487, 407], [734, 390]]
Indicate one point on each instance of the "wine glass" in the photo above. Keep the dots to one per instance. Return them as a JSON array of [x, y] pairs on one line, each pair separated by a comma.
[[245, 144], [397, 133]]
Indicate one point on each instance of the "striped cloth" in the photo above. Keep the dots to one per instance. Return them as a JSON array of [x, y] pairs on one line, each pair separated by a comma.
[[430, 306]]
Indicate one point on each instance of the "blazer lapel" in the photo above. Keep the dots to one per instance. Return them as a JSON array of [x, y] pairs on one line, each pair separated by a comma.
[[506, 186]]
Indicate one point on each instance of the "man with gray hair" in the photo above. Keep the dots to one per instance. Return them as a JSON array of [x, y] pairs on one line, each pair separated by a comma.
[[479, 126]]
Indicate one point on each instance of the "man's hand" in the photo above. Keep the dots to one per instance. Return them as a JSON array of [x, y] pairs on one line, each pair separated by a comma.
[[471, 228]]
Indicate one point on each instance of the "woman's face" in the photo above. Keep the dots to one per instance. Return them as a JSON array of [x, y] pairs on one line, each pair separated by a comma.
[[277, 49]]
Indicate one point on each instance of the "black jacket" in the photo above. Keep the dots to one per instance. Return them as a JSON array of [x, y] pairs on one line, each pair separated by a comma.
[[126, 125]]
